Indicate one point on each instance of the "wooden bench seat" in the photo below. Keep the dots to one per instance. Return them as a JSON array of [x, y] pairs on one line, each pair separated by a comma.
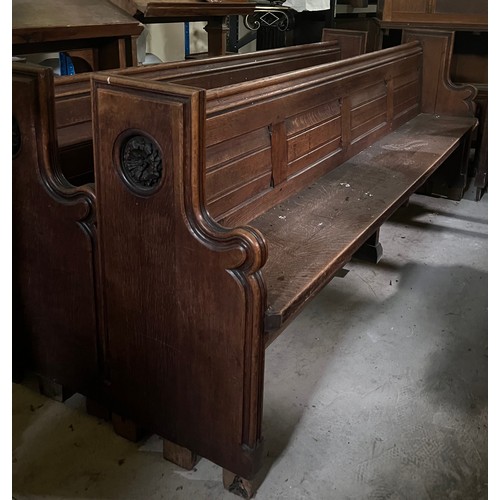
[[218, 212], [314, 233]]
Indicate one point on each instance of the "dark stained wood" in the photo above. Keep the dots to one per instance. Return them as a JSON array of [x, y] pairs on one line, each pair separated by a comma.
[[149, 355], [97, 409], [196, 10], [352, 42], [73, 109], [66, 25], [321, 132], [215, 13], [310, 236], [439, 93], [240, 203], [178, 455], [371, 250], [128, 428], [204, 270], [54, 244], [481, 143], [68, 156], [438, 12]]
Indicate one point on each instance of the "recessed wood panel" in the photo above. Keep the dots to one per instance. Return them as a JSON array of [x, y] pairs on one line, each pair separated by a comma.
[[312, 117], [368, 111], [303, 143], [237, 147], [237, 173], [408, 91], [410, 6], [240, 196], [368, 94]]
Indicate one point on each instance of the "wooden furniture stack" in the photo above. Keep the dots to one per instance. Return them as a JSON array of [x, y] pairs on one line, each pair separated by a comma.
[[97, 33], [226, 195]]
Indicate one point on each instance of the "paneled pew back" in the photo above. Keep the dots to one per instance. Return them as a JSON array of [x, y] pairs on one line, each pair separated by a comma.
[[223, 210], [72, 94], [55, 274]]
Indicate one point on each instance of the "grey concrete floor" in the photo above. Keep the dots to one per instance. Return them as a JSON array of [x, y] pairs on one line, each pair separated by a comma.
[[378, 390]]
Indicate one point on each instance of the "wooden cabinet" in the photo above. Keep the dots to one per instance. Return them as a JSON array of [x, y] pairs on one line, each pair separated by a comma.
[[96, 33], [434, 11]]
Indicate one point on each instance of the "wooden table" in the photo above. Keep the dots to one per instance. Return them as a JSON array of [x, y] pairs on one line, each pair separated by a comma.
[[215, 13], [97, 31]]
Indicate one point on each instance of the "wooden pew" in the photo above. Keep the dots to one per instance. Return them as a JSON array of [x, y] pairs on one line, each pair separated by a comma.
[[56, 278], [54, 267], [72, 94], [223, 210]]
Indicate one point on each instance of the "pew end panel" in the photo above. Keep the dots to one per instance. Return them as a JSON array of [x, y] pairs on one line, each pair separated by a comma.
[[443, 97], [352, 42], [184, 298], [54, 273]]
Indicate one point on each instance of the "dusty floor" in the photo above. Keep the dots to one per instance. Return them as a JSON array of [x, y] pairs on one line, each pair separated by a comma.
[[377, 391]]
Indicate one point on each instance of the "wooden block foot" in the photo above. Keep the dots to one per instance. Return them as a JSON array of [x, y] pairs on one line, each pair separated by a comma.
[[371, 250], [183, 457], [127, 428], [97, 409], [241, 487], [53, 390]]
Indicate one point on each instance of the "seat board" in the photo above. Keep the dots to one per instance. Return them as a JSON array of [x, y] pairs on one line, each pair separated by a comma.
[[312, 235]]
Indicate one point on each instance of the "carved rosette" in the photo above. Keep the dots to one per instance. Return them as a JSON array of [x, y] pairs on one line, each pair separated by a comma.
[[16, 137], [141, 163]]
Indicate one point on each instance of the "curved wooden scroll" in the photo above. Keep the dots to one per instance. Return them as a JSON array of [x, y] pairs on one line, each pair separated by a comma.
[[439, 94], [184, 297], [55, 317]]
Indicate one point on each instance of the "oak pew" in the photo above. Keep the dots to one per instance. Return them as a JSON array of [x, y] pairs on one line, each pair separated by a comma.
[[222, 211], [56, 276], [72, 94]]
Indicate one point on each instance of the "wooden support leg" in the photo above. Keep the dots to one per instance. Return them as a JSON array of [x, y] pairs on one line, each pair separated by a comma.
[[217, 31], [371, 249], [179, 455], [244, 488], [127, 428], [50, 388]]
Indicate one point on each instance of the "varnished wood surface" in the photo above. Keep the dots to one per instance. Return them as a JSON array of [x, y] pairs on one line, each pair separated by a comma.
[[181, 300], [73, 111], [53, 20], [164, 10], [285, 131], [438, 12], [54, 273], [352, 42], [314, 233], [428, 24]]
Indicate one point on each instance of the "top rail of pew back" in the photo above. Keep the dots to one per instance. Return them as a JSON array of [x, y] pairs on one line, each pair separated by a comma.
[[73, 93]]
